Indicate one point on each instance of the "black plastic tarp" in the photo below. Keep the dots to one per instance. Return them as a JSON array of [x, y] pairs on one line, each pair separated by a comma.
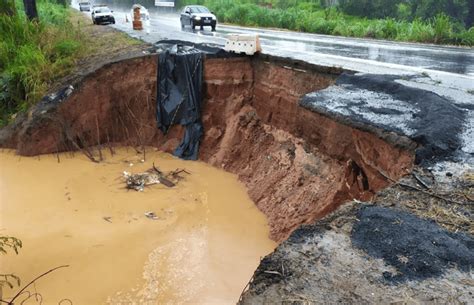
[[179, 96]]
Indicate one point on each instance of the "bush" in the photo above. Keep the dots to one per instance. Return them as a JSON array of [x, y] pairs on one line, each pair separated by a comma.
[[389, 29], [66, 48], [464, 38], [420, 32], [442, 28]]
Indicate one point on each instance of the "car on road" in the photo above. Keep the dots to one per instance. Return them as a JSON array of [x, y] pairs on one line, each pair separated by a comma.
[[197, 15], [85, 6], [102, 14]]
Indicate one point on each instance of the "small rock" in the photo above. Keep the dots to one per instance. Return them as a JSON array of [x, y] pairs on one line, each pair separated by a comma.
[[151, 215]]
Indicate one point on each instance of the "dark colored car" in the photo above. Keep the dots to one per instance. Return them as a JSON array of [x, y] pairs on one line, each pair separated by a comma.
[[197, 15], [102, 14]]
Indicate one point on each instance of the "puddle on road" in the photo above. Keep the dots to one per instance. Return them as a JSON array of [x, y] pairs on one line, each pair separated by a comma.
[[203, 248]]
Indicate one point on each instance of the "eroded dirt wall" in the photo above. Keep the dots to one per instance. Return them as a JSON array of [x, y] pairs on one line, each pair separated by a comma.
[[296, 164], [113, 104]]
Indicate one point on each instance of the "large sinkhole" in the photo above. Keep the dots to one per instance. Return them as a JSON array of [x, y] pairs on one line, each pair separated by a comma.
[[297, 164]]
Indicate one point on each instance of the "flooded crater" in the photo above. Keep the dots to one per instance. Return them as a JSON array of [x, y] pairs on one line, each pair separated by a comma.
[[297, 165], [203, 245]]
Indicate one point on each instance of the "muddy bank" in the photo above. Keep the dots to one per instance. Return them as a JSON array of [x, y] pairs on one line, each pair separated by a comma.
[[297, 164], [380, 252]]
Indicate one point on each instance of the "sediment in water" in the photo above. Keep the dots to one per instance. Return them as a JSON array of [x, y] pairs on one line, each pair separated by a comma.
[[78, 213]]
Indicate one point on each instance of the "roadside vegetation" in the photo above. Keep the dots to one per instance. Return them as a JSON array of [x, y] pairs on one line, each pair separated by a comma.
[[427, 21], [33, 54], [36, 54]]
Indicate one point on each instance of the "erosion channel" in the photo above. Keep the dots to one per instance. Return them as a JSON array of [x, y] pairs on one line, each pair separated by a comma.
[[297, 165]]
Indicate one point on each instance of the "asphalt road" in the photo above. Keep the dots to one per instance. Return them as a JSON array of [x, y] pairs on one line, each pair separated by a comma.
[[365, 55], [449, 59], [452, 66]]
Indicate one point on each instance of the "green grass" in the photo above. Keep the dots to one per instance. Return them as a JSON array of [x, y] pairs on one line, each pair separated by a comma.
[[33, 55], [309, 17]]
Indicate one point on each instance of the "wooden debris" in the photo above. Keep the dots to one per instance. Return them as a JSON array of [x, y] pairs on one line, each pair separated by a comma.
[[421, 190], [176, 175], [420, 181], [152, 176], [151, 215]]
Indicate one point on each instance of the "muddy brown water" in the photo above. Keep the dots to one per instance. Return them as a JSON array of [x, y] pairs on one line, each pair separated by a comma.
[[203, 248]]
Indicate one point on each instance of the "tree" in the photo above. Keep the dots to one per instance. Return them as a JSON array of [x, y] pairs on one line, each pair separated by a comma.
[[30, 9], [470, 15], [370, 8], [328, 3], [7, 7], [62, 2], [427, 9]]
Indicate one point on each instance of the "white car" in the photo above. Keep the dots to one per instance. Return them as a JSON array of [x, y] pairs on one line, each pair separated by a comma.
[[102, 14], [85, 6]]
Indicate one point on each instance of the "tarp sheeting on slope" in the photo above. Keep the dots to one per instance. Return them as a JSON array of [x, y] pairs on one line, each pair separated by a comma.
[[179, 96]]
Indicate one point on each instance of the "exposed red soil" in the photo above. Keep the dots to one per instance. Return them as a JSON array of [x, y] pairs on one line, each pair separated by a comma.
[[297, 165]]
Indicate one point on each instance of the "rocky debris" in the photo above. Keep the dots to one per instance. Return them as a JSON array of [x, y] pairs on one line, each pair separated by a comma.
[[151, 215], [382, 253]]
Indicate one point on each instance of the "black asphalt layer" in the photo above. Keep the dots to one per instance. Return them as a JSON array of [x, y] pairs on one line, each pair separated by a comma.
[[432, 121], [417, 248]]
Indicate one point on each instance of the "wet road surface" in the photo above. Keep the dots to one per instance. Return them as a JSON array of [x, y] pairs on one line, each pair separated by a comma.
[[449, 59], [457, 60], [364, 55], [449, 71]]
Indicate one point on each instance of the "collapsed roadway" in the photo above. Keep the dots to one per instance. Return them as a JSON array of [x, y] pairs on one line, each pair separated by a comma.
[[347, 167]]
